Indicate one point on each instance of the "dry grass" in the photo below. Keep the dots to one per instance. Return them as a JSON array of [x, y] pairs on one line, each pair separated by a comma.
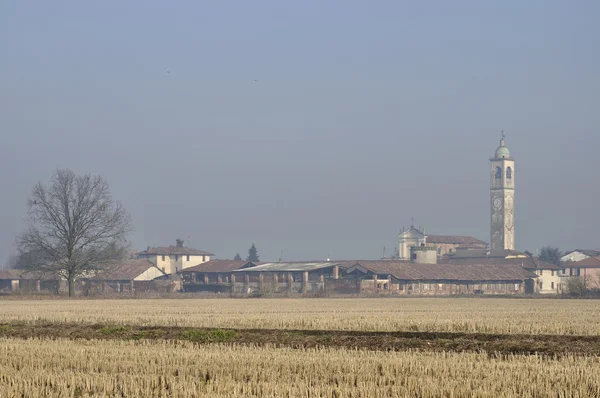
[[59, 368], [469, 315]]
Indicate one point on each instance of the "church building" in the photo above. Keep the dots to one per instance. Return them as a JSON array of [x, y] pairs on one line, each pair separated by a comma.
[[443, 244], [502, 205]]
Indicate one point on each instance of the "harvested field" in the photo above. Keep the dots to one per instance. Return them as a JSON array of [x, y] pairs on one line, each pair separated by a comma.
[[80, 368], [460, 315]]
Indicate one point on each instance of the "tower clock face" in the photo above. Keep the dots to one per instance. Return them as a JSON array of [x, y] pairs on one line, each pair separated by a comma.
[[497, 203]]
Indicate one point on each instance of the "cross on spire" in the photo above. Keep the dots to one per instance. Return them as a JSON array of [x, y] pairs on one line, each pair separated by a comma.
[[503, 135], [412, 221]]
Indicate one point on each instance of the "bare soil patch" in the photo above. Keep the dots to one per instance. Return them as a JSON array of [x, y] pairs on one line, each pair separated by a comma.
[[503, 344]]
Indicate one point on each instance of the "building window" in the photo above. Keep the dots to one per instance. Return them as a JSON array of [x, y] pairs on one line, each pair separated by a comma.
[[203, 260], [176, 257], [541, 286], [508, 173], [163, 258], [552, 273], [187, 258], [498, 173], [516, 286], [552, 285]]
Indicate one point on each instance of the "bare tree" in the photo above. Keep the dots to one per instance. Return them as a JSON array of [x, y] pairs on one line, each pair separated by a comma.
[[73, 226]]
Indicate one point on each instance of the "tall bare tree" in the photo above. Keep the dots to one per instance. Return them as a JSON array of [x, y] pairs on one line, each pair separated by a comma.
[[73, 226]]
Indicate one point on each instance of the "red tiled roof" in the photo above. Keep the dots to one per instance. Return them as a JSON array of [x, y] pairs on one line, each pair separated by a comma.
[[463, 272], [526, 262], [174, 250], [219, 266], [590, 262], [456, 240], [125, 271]]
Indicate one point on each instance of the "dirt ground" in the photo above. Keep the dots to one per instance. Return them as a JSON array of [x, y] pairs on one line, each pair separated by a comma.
[[494, 344]]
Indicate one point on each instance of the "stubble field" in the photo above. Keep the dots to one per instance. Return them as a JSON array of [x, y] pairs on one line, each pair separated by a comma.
[[300, 348], [465, 315], [62, 368]]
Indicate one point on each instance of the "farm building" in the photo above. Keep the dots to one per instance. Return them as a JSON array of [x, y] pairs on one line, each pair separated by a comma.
[[212, 276], [127, 276], [547, 282], [290, 277], [401, 278], [18, 280]]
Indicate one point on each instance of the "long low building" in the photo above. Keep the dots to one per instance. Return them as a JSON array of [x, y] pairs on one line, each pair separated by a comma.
[[127, 276], [398, 277], [12, 280], [547, 282], [212, 276], [290, 277], [358, 277]]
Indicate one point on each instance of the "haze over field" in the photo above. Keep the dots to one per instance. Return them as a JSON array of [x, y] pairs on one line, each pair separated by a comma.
[[317, 129]]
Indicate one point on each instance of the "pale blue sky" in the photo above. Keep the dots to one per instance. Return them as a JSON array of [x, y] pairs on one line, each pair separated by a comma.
[[317, 128]]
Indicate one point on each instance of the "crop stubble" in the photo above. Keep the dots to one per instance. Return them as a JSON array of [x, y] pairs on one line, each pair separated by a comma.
[[469, 315]]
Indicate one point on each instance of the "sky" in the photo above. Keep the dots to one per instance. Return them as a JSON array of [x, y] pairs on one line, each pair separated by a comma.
[[317, 129]]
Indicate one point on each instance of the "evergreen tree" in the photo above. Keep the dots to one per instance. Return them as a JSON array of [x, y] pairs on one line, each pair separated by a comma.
[[551, 255], [237, 257], [252, 254]]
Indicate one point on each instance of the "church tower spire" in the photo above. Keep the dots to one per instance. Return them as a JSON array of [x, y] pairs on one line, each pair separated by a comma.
[[502, 194]]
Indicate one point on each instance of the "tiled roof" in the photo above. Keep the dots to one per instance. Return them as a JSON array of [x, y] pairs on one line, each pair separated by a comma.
[[124, 271], [10, 274], [590, 262], [485, 253], [449, 272], [219, 266], [25, 275], [174, 250], [456, 240], [526, 262], [289, 267]]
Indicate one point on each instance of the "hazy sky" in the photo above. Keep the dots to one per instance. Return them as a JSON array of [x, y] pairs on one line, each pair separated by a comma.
[[317, 128]]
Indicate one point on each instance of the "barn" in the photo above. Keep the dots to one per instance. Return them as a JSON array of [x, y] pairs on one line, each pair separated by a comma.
[[127, 277], [212, 276], [285, 277], [405, 278]]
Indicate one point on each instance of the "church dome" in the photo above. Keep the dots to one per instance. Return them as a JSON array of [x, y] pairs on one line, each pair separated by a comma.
[[502, 151]]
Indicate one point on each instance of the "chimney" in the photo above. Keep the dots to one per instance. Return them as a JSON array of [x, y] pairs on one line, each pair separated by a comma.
[[179, 242]]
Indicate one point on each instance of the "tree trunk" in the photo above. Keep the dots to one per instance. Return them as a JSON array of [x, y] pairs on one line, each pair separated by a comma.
[[71, 283]]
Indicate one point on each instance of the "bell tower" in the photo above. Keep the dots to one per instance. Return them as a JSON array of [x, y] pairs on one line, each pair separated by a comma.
[[502, 195]]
